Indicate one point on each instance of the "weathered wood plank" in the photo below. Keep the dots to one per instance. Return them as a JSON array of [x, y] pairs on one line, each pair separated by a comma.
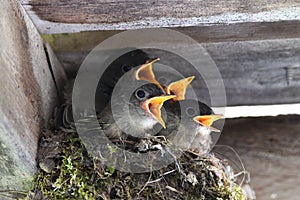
[[55, 16], [270, 149], [27, 96], [243, 31], [203, 34], [254, 72], [121, 11]]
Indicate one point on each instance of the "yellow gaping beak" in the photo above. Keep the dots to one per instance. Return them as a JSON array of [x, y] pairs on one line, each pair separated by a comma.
[[145, 73], [178, 88], [153, 106], [207, 121]]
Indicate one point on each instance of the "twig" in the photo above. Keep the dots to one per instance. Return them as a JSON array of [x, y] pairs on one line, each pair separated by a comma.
[[145, 185], [154, 181], [13, 191], [173, 189], [169, 172]]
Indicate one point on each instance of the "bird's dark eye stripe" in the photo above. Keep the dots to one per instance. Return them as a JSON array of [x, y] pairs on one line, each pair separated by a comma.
[[152, 91]]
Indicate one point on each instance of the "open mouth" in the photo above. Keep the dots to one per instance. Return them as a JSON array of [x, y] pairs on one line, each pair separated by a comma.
[[153, 107], [178, 88], [145, 73], [208, 120]]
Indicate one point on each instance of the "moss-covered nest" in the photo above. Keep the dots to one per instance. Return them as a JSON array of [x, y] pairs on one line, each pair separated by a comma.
[[67, 171]]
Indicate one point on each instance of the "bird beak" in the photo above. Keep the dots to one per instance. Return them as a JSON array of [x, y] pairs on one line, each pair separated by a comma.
[[145, 73], [207, 120], [178, 88], [153, 106]]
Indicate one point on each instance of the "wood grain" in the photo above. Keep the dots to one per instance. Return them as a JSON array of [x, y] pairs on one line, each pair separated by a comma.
[[57, 16], [254, 72], [243, 31], [113, 11], [27, 97], [270, 149], [87, 40]]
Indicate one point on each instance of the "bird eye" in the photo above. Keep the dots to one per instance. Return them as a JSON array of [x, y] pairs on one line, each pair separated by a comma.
[[140, 94], [190, 111], [126, 68]]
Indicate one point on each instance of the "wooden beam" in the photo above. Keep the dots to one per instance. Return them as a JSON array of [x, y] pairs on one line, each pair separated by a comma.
[[257, 72], [254, 72], [247, 31], [27, 97], [203, 34], [56, 16]]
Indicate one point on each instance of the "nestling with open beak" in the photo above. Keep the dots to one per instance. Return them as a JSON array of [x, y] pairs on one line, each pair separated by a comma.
[[188, 121], [136, 106], [143, 113], [189, 125], [178, 88]]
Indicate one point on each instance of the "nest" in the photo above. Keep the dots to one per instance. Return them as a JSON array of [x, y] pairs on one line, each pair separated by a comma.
[[68, 171]]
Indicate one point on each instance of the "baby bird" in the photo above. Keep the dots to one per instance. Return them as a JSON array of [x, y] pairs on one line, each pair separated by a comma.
[[136, 117], [189, 125]]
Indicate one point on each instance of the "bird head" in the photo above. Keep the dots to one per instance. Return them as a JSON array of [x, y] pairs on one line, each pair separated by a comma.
[[145, 105], [200, 114], [207, 120], [189, 116], [189, 125]]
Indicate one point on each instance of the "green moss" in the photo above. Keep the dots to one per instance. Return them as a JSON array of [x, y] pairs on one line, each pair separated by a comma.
[[83, 41], [17, 178], [74, 177], [79, 176], [230, 193]]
